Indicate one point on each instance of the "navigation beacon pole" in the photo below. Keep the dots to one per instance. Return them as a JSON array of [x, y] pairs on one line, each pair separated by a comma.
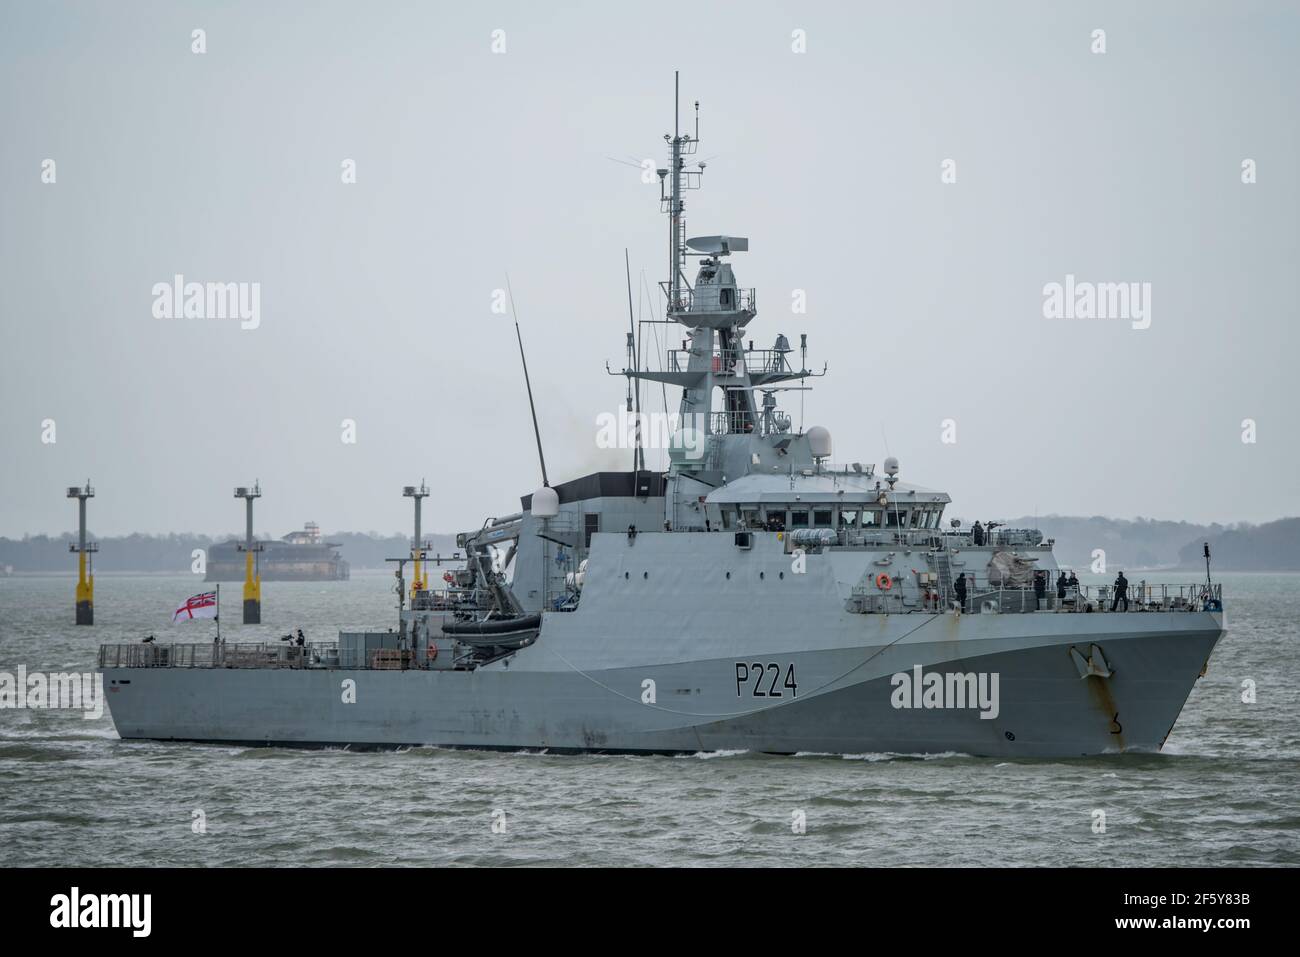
[[252, 581], [417, 545], [85, 583]]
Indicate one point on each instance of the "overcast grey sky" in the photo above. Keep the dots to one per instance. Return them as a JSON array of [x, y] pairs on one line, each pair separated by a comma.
[[925, 297]]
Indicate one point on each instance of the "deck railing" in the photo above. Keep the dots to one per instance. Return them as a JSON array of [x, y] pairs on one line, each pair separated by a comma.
[[732, 361], [986, 598], [1006, 537], [214, 654], [744, 299]]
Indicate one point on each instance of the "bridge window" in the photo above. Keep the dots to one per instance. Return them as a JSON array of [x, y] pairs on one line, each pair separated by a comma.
[[822, 518], [848, 518], [724, 297], [798, 518], [870, 517]]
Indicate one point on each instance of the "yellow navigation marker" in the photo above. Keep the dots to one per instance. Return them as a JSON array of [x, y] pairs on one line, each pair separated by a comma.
[[85, 575]]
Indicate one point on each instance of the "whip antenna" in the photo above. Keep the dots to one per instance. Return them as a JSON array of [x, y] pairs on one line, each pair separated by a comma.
[[527, 384], [638, 456]]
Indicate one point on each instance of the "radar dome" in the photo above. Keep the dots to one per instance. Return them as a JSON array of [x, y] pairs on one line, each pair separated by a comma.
[[546, 503], [819, 440], [891, 466]]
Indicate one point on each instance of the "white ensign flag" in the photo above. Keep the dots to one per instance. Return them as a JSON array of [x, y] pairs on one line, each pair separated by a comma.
[[199, 606]]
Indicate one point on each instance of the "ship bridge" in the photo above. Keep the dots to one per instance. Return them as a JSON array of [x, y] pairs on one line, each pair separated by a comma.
[[825, 498]]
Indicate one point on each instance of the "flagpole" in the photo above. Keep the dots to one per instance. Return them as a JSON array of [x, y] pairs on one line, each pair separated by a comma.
[[218, 611]]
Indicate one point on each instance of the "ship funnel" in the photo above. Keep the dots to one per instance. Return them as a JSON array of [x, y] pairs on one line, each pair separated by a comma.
[[546, 503]]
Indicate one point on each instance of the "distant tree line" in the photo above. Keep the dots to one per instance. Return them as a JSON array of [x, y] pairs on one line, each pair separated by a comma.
[[1273, 547], [1148, 543], [174, 553], [1130, 544]]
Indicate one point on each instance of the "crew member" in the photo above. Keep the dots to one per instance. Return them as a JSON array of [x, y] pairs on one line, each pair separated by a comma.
[[1121, 592], [959, 586]]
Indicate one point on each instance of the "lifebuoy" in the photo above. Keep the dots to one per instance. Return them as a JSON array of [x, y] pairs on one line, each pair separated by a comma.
[[432, 652], [884, 582]]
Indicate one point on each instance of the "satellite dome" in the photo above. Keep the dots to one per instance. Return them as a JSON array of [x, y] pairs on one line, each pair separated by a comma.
[[891, 466], [819, 440], [546, 503]]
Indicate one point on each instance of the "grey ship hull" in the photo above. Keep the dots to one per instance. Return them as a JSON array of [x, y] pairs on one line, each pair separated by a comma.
[[545, 700]]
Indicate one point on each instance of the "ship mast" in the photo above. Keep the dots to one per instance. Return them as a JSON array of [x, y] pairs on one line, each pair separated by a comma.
[[671, 197], [706, 445]]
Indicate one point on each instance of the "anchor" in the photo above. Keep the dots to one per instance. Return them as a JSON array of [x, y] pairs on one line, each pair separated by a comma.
[[1094, 665]]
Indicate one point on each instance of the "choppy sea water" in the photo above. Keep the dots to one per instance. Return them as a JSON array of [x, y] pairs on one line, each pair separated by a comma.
[[1226, 790]]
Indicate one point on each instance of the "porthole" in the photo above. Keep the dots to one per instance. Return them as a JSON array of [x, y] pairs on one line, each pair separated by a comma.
[[761, 575], [645, 575], [728, 576], [782, 576], [627, 575]]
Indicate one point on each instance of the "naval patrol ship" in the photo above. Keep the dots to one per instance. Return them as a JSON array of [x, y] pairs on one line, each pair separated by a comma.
[[753, 596]]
